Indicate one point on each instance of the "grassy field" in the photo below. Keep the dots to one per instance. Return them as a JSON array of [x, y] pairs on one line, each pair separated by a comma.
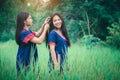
[[96, 63]]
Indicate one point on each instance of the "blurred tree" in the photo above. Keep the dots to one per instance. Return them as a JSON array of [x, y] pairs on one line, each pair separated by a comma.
[[95, 14], [9, 10], [114, 34], [82, 17]]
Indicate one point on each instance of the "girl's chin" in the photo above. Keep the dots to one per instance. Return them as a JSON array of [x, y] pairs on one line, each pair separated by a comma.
[[30, 25], [58, 28]]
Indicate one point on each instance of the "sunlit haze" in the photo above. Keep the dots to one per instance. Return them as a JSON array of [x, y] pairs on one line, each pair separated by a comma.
[[45, 0]]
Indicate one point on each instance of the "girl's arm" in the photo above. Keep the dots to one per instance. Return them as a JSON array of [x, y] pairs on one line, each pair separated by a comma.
[[38, 33], [39, 40], [53, 55]]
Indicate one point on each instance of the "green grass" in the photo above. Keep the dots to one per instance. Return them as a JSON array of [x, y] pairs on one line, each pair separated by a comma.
[[96, 63]]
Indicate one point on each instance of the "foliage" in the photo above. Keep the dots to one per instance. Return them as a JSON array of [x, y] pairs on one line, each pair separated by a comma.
[[7, 21], [98, 12], [114, 34], [95, 15], [9, 10], [90, 40]]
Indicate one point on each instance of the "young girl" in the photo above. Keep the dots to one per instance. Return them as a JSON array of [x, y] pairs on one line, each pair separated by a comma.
[[58, 42], [27, 40]]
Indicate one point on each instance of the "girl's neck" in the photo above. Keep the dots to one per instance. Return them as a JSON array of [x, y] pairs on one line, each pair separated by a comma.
[[58, 30], [25, 27]]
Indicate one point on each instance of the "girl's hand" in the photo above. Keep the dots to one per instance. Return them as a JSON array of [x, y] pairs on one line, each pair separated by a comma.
[[46, 27], [57, 67], [47, 20]]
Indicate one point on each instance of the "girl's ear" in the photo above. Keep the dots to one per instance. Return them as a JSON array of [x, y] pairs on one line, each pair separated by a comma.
[[25, 22]]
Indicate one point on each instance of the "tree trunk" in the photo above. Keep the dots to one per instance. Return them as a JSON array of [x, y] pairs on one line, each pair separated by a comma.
[[88, 22]]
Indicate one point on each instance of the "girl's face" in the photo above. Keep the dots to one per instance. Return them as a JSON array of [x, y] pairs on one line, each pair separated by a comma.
[[28, 21], [57, 22]]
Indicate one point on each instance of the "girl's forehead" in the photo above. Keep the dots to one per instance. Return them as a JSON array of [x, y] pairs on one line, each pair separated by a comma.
[[29, 16], [56, 16]]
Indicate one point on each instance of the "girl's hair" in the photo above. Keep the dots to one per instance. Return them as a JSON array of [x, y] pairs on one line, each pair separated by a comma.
[[21, 17], [63, 28]]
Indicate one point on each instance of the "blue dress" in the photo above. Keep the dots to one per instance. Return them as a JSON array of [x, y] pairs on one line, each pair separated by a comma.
[[61, 48], [27, 51]]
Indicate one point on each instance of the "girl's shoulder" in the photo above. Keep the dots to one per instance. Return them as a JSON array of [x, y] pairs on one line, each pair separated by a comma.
[[26, 32], [52, 32]]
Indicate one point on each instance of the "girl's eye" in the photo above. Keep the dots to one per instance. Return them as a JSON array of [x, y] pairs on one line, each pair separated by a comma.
[[59, 19], [54, 20]]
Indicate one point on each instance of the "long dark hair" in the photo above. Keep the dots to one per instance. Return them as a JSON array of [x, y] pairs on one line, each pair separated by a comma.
[[63, 29], [21, 17]]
